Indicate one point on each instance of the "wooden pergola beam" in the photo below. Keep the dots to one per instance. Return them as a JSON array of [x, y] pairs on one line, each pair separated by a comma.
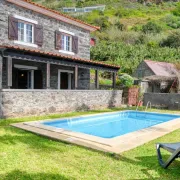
[[96, 79], [48, 71], [1, 69], [114, 80], [9, 72], [76, 77], [53, 60]]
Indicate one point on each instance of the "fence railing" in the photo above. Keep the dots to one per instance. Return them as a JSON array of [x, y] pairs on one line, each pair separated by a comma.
[[84, 9], [105, 87]]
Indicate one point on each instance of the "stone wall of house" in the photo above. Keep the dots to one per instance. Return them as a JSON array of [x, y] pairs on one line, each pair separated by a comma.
[[83, 74], [50, 25], [163, 100], [16, 103], [4, 74], [83, 78], [1, 106], [143, 71]]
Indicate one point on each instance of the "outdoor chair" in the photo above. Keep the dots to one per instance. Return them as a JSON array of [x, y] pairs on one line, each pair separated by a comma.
[[173, 148]]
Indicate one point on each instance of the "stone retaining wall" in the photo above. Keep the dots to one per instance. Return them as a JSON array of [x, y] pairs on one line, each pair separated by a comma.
[[17, 103], [166, 100]]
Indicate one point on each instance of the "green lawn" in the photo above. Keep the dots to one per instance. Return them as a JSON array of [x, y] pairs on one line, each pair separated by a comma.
[[24, 155]]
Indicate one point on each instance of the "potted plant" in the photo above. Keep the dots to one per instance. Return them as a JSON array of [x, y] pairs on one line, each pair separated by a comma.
[[140, 98]]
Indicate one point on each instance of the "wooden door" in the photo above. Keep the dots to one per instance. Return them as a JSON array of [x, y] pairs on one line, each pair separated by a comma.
[[22, 79], [38, 79], [64, 80]]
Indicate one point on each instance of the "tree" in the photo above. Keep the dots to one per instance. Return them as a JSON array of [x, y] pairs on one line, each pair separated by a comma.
[[175, 70], [120, 26], [151, 27], [173, 40], [103, 22], [80, 3], [176, 12]]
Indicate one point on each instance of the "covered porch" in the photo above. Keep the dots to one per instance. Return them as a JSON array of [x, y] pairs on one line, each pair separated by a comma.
[[33, 82], [22, 68]]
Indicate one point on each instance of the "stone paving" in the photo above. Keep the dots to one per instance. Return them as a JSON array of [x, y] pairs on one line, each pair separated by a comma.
[[114, 145]]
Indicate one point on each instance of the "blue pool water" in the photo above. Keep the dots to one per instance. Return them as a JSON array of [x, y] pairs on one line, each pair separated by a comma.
[[112, 124]]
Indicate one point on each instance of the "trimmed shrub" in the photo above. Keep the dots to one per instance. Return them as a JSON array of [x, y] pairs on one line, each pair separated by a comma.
[[126, 80]]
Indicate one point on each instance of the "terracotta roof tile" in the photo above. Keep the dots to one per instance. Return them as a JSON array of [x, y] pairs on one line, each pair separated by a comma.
[[59, 55], [161, 68]]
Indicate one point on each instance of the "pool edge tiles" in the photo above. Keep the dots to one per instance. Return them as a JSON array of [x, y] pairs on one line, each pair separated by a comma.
[[111, 125], [115, 145]]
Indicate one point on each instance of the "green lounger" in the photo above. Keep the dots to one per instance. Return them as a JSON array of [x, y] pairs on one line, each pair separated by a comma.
[[173, 148]]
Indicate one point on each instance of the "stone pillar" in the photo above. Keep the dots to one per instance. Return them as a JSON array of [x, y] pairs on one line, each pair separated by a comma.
[[9, 72], [32, 79], [76, 77], [1, 104], [69, 81], [1, 69], [96, 79], [114, 80], [48, 70]]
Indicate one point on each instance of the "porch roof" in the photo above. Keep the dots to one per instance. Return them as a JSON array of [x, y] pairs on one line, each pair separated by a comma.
[[156, 78], [22, 53]]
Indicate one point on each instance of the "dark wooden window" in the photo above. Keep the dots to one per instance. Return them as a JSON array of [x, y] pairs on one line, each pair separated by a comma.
[[25, 31], [66, 42]]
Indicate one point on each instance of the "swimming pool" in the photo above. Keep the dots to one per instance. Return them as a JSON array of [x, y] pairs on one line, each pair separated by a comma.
[[113, 132], [111, 125]]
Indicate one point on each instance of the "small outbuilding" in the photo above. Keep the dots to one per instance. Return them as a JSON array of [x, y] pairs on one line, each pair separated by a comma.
[[157, 77]]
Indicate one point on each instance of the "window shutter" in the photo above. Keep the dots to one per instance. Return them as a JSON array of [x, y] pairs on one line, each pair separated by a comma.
[[58, 40], [13, 28], [75, 44], [38, 35]]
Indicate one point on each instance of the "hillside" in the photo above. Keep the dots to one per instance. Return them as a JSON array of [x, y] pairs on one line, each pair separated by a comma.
[[131, 31]]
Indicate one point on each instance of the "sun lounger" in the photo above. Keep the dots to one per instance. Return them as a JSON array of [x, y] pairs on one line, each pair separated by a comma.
[[173, 148]]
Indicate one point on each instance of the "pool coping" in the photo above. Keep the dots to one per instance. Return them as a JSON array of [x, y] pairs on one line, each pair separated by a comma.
[[114, 145]]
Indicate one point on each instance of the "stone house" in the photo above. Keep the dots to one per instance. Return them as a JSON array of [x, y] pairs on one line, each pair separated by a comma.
[[156, 76], [45, 59]]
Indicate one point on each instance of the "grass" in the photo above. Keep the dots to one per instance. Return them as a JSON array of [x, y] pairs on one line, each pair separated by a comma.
[[24, 155]]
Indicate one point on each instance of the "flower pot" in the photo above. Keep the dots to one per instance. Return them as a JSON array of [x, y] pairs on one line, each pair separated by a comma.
[[140, 103]]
